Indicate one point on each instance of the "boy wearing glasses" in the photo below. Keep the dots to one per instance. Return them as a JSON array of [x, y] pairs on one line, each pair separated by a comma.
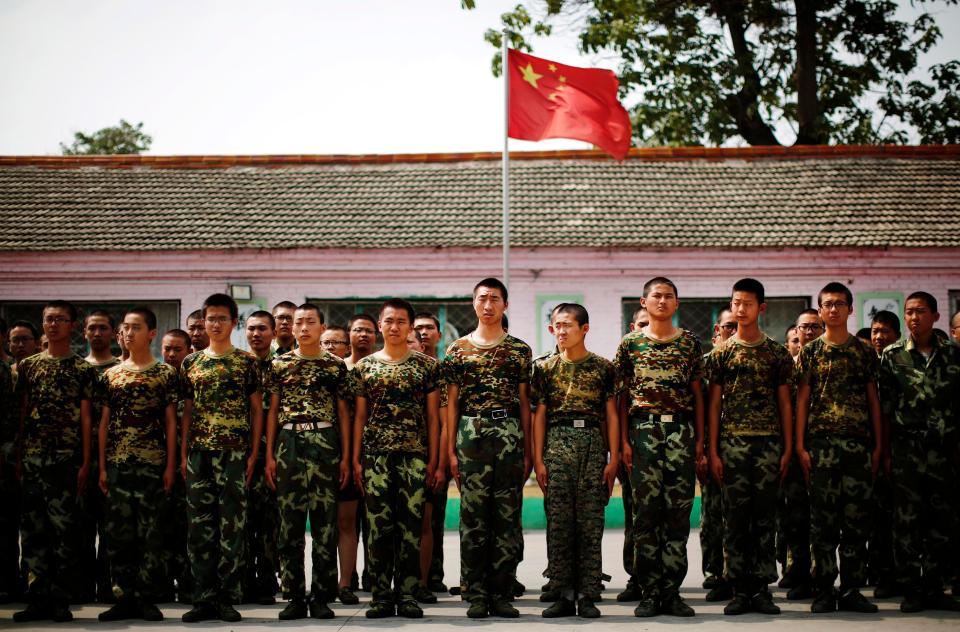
[[837, 400], [54, 389], [283, 320], [222, 420]]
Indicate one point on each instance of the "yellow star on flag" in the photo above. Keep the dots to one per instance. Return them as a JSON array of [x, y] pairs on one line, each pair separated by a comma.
[[552, 67], [530, 76], [562, 79]]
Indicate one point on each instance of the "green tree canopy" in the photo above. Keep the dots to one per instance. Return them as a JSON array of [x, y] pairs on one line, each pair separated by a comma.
[[122, 139], [706, 72]]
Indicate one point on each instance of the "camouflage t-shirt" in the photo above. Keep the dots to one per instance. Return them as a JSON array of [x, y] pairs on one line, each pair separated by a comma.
[[220, 387], [396, 394], [838, 376], [919, 394], [8, 413], [99, 398], [750, 375], [308, 386], [264, 364], [54, 388], [657, 373], [488, 376], [582, 387], [138, 401]]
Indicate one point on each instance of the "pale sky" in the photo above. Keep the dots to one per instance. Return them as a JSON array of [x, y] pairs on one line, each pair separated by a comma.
[[277, 77]]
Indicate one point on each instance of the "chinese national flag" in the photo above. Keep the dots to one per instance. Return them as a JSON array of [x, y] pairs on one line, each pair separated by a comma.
[[550, 100]]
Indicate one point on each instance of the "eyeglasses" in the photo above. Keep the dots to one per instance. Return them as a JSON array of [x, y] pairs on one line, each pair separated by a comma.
[[333, 343], [283, 319], [56, 320], [218, 320], [362, 330], [813, 327], [729, 326], [830, 305]]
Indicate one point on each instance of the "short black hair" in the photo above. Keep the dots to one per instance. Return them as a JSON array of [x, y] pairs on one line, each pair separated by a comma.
[[927, 298], [751, 286], [578, 311], [659, 281], [26, 324], [341, 329], [493, 284], [196, 314], [436, 321], [262, 313], [362, 316], [725, 308], [810, 312], [864, 333], [888, 318], [103, 313], [143, 312], [636, 313], [65, 305], [285, 305], [835, 287], [786, 333], [179, 333], [399, 303], [221, 300], [314, 307]]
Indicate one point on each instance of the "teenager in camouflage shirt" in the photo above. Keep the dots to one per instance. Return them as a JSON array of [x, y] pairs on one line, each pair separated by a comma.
[[54, 389], [837, 406], [751, 443], [308, 446], [574, 429], [395, 441], [137, 454], [222, 420], [661, 368], [488, 432]]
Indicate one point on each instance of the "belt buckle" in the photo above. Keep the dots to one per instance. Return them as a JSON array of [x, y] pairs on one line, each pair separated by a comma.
[[579, 423], [666, 418], [500, 413]]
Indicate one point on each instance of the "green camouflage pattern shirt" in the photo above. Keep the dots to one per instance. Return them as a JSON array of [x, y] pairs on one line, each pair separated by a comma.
[[488, 376], [582, 387], [220, 387], [750, 376], [138, 401], [838, 376], [99, 399], [264, 364], [657, 373], [920, 394], [396, 394], [308, 386], [8, 414], [53, 388]]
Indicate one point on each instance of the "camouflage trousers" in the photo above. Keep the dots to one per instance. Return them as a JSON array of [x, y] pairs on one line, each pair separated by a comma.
[[174, 529], [490, 456], [880, 545], [793, 524], [923, 489], [751, 472], [135, 541], [48, 529], [94, 561], [575, 499], [307, 480], [711, 529], [629, 546], [438, 517], [11, 577], [840, 486], [216, 518], [395, 488], [263, 522], [663, 481]]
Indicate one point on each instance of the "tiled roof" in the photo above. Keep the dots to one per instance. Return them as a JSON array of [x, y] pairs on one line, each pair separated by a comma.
[[698, 198]]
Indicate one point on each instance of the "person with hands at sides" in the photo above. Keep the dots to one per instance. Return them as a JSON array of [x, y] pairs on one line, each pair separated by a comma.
[[137, 453], [308, 447], [396, 437], [574, 428]]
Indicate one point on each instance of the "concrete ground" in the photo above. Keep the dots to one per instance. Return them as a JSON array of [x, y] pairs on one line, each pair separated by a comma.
[[449, 615]]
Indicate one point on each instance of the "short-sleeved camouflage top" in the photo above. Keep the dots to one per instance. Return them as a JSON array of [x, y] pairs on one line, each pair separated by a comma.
[[838, 376], [220, 387], [54, 388], [138, 401], [657, 373], [396, 394], [99, 397], [488, 376], [919, 394], [582, 387], [750, 375], [308, 386], [264, 365]]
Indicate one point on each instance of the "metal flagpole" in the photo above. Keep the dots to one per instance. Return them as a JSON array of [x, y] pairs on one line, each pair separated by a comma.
[[506, 163]]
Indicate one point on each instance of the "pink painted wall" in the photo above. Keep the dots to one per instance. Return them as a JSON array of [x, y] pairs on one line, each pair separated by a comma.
[[602, 277]]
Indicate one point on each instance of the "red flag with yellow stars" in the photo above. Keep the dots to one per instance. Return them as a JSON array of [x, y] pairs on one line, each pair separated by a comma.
[[550, 100]]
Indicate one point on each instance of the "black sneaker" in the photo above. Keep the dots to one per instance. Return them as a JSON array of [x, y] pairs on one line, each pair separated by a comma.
[[320, 610], [347, 597], [423, 595], [631, 593], [912, 602], [562, 607], [740, 604], [150, 612], [229, 614], [120, 611], [586, 609], [456, 590], [410, 610], [800, 591], [854, 601], [710, 581], [380, 610], [33, 612], [648, 607], [675, 607], [60, 613], [826, 601], [295, 609], [550, 595], [787, 582], [502, 608], [721, 591], [762, 602], [200, 612], [437, 586], [478, 609], [940, 601], [518, 589]]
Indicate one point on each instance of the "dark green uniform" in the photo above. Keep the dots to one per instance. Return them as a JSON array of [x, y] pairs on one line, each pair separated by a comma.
[[308, 475], [11, 581], [174, 528], [439, 514], [219, 435], [136, 454], [490, 454], [919, 398], [575, 453], [394, 457], [838, 426], [53, 389], [657, 376], [793, 519], [711, 517], [750, 447]]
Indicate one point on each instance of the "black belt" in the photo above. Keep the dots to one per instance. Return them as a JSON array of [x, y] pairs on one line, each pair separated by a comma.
[[574, 421], [658, 418], [493, 415]]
